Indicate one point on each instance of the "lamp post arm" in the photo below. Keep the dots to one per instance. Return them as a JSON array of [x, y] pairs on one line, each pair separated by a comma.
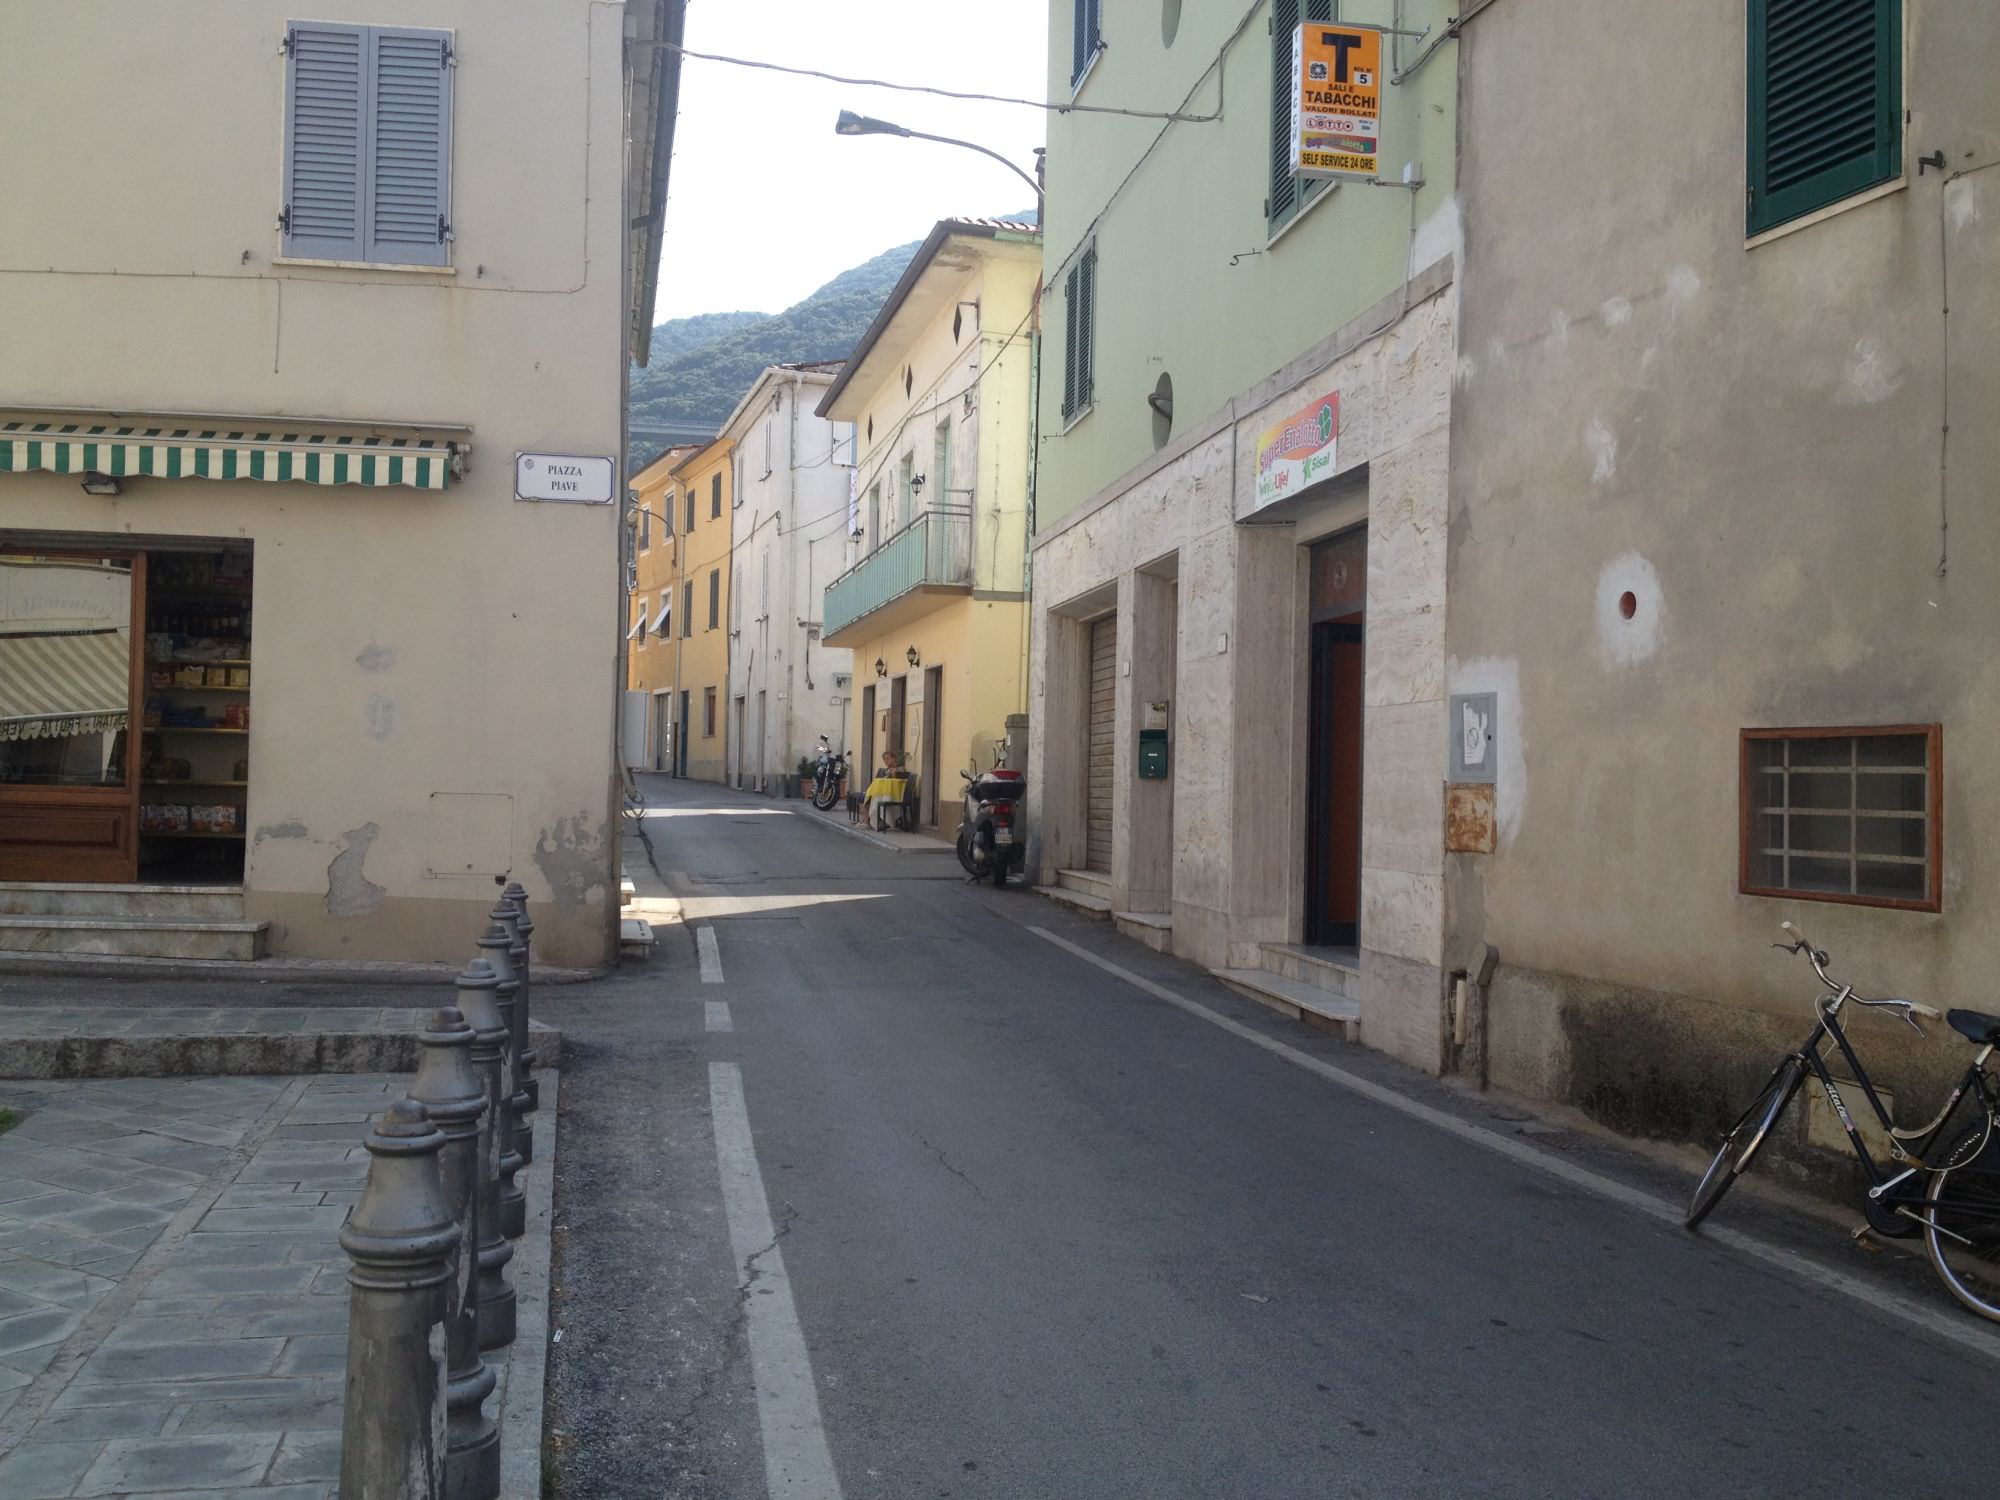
[[947, 140]]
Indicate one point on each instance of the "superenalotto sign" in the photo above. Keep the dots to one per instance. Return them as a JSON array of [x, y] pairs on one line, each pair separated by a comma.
[[1337, 100], [562, 476], [1299, 450]]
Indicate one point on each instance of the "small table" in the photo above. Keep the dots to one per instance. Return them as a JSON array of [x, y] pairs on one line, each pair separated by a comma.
[[885, 792]]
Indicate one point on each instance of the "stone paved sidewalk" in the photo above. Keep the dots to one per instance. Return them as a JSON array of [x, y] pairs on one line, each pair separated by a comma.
[[173, 1301]]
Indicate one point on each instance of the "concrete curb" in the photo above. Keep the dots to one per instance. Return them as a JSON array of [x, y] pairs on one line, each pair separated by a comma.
[[267, 970], [521, 1406], [856, 831], [245, 1053]]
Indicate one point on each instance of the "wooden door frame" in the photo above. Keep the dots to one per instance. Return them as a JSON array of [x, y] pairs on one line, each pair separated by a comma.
[[122, 865]]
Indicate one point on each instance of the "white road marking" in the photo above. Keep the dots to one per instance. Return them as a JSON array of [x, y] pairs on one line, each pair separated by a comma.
[[718, 1018], [1941, 1324], [711, 955], [797, 1463]]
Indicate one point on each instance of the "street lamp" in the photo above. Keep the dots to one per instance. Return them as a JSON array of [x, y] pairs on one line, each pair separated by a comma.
[[850, 123]]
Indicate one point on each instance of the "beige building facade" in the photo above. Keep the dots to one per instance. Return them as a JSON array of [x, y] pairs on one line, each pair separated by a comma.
[[267, 374], [1725, 548]]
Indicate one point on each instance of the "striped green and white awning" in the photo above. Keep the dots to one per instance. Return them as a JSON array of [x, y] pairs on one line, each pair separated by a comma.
[[187, 453]]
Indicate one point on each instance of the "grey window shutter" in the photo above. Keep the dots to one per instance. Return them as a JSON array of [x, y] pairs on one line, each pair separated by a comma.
[[1072, 320], [1086, 338], [326, 81], [409, 147]]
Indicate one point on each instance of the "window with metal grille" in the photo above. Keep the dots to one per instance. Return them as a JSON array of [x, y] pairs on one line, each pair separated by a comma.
[[1825, 103], [367, 144], [1079, 332], [1086, 38], [1289, 194], [1843, 814]]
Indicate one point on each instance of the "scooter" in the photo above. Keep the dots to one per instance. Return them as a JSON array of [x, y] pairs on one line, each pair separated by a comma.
[[828, 773], [989, 843]]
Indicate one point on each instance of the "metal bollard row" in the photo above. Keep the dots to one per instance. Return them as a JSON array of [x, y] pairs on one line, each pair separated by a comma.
[[428, 1284]]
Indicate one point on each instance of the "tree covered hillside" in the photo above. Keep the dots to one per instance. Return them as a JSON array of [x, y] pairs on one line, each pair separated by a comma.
[[702, 365]]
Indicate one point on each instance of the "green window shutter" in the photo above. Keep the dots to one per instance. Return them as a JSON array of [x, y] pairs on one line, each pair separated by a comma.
[[1288, 194], [1085, 23], [687, 610], [1825, 93], [1086, 338], [1072, 319]]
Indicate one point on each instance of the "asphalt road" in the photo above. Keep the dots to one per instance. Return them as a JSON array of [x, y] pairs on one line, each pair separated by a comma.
[[1047, 1235]]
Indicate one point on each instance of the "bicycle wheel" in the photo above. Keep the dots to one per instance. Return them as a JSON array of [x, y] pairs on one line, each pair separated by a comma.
[[1744, 1137], [1962, 1220]]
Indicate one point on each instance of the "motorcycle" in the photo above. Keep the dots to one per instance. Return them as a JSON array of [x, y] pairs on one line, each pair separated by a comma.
[[989, 843], [829, 771]]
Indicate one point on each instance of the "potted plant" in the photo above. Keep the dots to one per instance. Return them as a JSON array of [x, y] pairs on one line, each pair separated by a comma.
[[805, 777]]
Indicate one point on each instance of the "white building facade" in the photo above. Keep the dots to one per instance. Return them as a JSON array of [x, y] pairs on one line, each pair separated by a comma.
[[788, 537]]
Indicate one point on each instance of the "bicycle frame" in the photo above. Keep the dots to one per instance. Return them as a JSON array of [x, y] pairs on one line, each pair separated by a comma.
[[1909, 1157]]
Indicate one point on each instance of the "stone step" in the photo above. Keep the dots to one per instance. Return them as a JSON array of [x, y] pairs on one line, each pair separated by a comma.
[[1082, 901], [1322, 968], [1090, 882], [133, 937], [1153, 928], [193, 903], [1302, 1002]]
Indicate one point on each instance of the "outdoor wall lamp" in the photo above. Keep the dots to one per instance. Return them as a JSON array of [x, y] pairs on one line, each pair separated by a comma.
[[914, 659], [880, 670], [100, 484]]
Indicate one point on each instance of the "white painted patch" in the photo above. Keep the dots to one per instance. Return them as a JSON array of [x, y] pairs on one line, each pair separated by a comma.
[[1500, 676], [1602, 444], [1872, 375], [1467, 370], [1440, 235], [711, 955], [1559, 327], [797, 1461], [716, 1017], [1683, 285], [1961, 204], [1952, 1327], [1623, 642], [1616, 311]]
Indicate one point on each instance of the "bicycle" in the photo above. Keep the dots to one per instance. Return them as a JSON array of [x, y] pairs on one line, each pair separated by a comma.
[[1951, 1195]]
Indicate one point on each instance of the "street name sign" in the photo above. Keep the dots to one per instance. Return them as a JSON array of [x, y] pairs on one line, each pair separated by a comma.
[[565, 477]]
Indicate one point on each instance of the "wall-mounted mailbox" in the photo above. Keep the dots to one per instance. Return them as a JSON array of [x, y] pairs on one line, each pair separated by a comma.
[[1152, 754]]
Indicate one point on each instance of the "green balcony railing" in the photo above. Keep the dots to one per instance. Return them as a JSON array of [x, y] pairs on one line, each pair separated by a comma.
[[933, 550]]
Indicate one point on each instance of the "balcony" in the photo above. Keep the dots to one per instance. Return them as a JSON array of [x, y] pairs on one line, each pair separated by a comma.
[[901, 579]]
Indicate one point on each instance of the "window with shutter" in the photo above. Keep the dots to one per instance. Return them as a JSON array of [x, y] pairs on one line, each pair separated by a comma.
[[367, 144], [1086, 38], [687, 609], [715, 494], [1079, 333], [1825, 91], [1288, 194]]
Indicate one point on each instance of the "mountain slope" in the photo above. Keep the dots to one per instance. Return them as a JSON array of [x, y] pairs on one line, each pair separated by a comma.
[[708, 368]]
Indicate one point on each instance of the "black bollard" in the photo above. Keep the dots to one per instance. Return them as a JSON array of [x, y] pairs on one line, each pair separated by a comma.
[[495, 1299]]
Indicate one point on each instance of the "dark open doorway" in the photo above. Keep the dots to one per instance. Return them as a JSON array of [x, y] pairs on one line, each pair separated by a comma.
[[1334, 749]]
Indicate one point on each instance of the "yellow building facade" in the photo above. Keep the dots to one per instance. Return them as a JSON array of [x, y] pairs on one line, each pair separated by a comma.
[[700, 496], [933, 606], [653, 584]]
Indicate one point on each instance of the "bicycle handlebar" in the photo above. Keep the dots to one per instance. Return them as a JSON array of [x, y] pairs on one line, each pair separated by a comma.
[[1818, 959]]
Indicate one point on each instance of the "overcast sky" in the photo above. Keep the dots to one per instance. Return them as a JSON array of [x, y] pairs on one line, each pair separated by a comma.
[[765, 202]]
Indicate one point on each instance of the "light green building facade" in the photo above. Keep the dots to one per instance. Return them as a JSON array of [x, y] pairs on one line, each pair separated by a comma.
[[1281, 622]]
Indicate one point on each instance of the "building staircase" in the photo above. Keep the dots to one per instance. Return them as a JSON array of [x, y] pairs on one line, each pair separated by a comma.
[[1085, 891], [59, 919], [1319, 986]]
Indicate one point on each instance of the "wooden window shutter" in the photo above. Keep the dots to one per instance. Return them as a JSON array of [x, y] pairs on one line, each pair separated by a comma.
[[326, 80], [1085, 29], [1288, 193], [1086, 338], [409, 155], [1825, 93], [687, 608]]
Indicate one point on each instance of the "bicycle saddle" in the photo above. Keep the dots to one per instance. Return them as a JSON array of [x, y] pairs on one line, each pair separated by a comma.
[[1975, 1025]]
